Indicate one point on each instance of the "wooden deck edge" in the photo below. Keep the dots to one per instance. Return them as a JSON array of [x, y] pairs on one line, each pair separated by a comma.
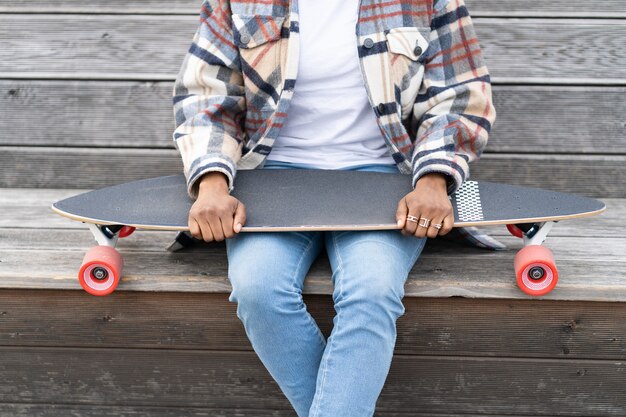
[[43, 251], [505, 290]]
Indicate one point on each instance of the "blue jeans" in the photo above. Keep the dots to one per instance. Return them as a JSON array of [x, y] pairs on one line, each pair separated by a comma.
[[341, 377]]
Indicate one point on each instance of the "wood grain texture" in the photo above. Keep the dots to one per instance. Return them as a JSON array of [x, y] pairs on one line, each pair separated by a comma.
[[503, 8], [600, 176], [531, 119], [554, 8], [153, 47], [430, 326], [589, 269], [553, 51], [219, 379], [167, 7], [70, 410], [73, 410]]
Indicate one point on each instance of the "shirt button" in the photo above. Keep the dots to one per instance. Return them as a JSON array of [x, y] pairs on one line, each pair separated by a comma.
[[417, 50], [381, 108], [368, 43], [244, 38]]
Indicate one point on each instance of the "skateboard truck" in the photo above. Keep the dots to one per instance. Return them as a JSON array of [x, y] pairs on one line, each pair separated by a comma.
[[102, 265], [534, 264], [104, 235], [182, 240]]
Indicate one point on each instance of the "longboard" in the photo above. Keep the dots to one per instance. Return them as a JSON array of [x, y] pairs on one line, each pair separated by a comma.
[[306, 200]]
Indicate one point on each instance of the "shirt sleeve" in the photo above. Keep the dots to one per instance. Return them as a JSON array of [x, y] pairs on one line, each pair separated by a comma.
[[208, 99], [453, 111]]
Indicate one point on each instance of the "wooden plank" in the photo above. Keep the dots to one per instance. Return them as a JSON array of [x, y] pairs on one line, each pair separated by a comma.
[[153, 47], [541, 119], [531, 119], [554, 8], [109, 7], [73, 410], [220, 379], [599, 176], [430, 326], [55, 410], [445, 269], [502, 8], [542, 51], [86, 113]]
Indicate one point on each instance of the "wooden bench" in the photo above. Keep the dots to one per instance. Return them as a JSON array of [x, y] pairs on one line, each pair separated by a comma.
[[85, 95]]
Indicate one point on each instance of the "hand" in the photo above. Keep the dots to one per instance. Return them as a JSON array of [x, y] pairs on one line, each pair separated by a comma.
[[215, 215], [429, 199]]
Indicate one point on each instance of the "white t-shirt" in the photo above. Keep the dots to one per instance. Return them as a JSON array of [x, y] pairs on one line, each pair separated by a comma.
[[330, 123]]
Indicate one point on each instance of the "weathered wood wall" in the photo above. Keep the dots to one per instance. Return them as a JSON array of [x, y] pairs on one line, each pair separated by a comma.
[[91, 83], [85, 101]]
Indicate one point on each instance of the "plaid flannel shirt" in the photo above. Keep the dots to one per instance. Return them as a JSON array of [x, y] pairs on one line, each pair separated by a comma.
[[422, 68]]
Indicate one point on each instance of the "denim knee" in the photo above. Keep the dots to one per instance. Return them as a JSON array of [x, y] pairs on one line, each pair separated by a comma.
[[258, 291], [375, 287]]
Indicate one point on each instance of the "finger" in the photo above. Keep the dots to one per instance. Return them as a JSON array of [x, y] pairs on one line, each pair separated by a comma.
[[410, 226], [448, 224], [216, 227], [420, 232], [194, 229], [433, 231], [207, 233], [224, 227], [240, 217], [401, 213], [226, 221]]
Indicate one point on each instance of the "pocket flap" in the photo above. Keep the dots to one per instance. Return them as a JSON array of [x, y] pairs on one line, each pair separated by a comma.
[[254, 30], [408, 41]]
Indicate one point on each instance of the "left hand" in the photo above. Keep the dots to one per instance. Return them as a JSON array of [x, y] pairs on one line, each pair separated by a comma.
[[430, 200]]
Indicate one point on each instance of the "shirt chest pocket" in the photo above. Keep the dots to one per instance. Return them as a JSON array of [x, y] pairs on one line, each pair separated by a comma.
[[409, 41], [258, 39], [406, 48]]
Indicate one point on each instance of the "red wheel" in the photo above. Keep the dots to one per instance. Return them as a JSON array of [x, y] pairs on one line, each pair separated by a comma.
[[515, 231], [126, 231], [535, 269], [101, 270]]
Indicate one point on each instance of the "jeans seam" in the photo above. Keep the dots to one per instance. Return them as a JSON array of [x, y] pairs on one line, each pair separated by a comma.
[[417, 253], [330, 348], [295, 289], [302, 256]]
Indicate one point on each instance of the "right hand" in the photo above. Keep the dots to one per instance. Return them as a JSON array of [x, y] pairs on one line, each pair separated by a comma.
[[215, 215]]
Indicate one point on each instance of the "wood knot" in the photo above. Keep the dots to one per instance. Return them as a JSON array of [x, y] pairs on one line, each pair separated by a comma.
[[572, 325]]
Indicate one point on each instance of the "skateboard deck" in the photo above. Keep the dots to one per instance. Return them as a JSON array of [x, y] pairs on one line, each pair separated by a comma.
[[287, 200], [304, 200]]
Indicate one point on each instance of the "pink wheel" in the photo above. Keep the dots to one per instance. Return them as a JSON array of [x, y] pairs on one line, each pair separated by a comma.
[[101, 270], [515, 231], [126, 231], [535, 270]]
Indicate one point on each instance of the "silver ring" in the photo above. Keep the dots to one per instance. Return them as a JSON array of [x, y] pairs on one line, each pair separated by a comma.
[[436, 226], [426, 222], [411, 218]]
